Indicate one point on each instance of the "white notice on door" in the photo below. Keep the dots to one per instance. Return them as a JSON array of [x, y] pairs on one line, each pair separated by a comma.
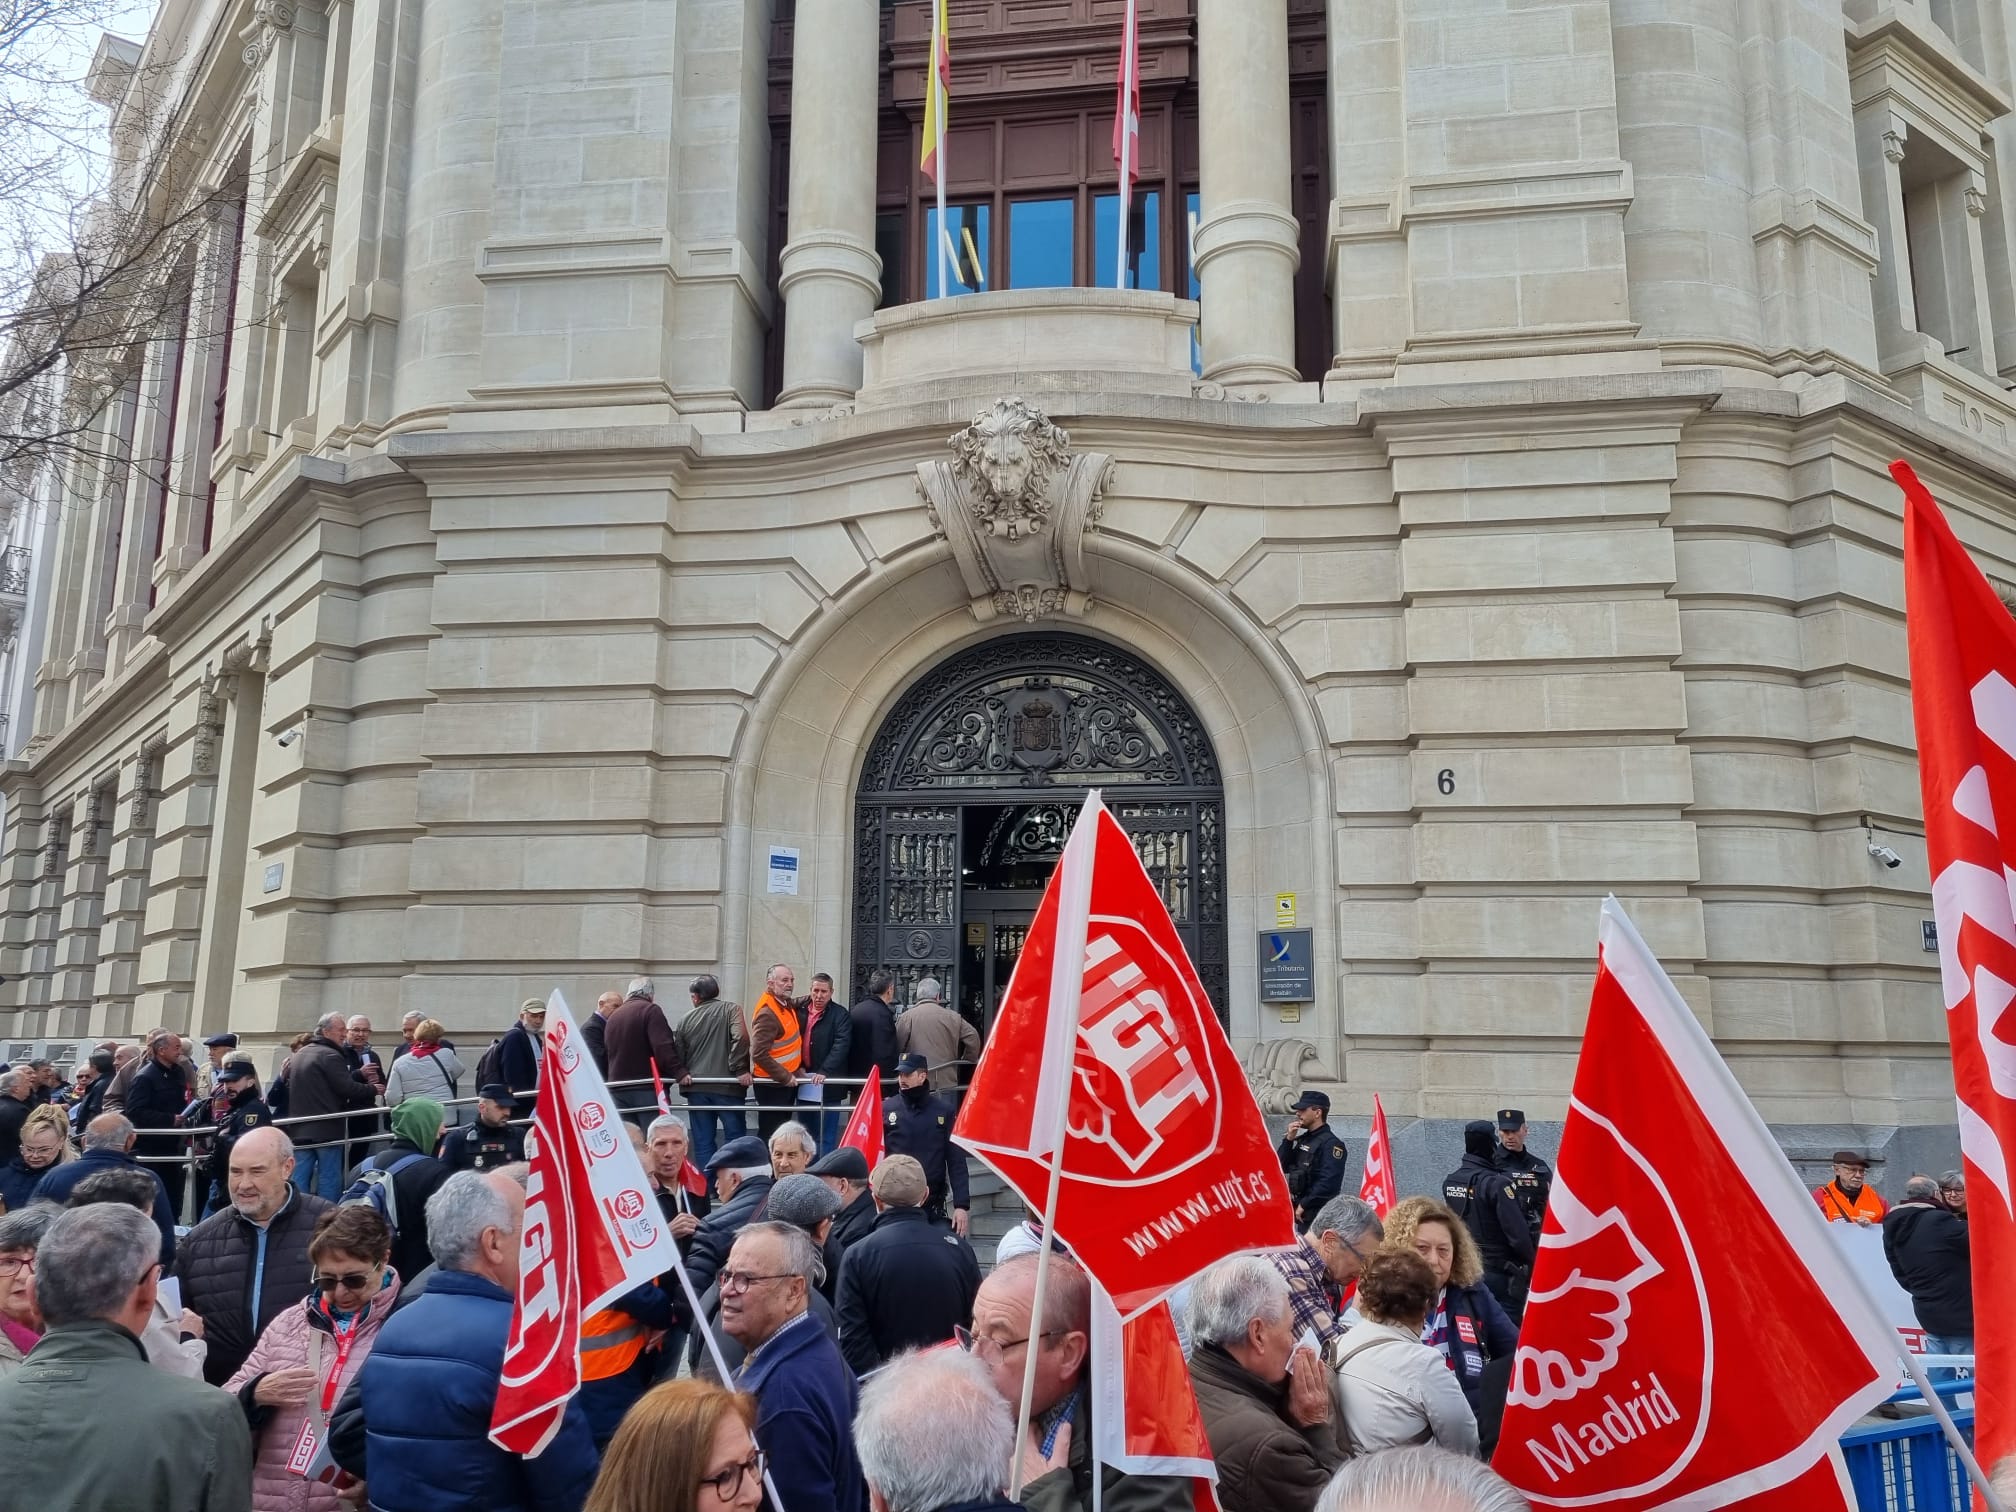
[[784, 869]]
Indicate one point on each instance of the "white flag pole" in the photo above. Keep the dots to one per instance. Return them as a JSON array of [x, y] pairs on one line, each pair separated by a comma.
[[1129, 56], [940, 44], [1067, 988]]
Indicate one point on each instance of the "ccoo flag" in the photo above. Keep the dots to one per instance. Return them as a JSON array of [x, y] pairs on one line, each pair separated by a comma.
[[592, 1232], [1963, 698], [1106, 1034], [1655, 1319]]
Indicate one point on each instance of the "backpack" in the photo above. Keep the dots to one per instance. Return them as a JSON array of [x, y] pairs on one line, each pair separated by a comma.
[[374, 1188], [491, 1067]]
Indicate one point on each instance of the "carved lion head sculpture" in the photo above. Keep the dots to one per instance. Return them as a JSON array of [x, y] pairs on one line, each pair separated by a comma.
[[1006, 458]]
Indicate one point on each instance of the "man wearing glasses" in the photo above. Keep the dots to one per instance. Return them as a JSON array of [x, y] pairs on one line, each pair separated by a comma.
[[805, 1394], [97, 1275], [1339, 1240]]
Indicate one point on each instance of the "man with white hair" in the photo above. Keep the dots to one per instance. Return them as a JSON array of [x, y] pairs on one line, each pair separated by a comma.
[[595, 1030], [410, 1020], [370, 1064], [777, 1048], [1266, 1402], [1421, 1479], [1339, 1240], [323, 1085], [87, 1424], [792, 1149], [639, 1040], [930, 1029], [933, 1434], [429, 1389]]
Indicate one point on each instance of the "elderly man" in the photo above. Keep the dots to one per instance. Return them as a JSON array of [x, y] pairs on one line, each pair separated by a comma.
[[740, 1171], [1057, 1461], [1334, 1248], [88, 1425], [930, 1029], [640, 1040], [218, 1048], [108, 1145], [1929, 1254], [428, 1391], [777, 1048], [324, 1087], [792, 1149], [845, 1170], [519, 1052], [714, 1043], [408, 1022], [369, 1063], [242, 1267], [127, 1061], [1266, 1403], [909, 1284], [671, 1152], [933, 1434], [595, 1030], [804, 1391], [1848, 1198], [1423, 1479], [161, 1089]]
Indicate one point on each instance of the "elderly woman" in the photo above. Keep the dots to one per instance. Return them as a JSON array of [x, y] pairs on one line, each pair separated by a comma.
[[45, 1144], [1465, 1321], [1393, 1389], [20, 1317], [430, 1069], [311, 1352]]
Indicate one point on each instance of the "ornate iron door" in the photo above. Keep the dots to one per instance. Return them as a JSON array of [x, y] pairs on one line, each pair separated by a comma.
[[1033, 719]]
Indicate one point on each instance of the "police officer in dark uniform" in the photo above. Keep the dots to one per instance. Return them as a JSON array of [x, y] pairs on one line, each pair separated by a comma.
[[491, 1141], [919, 1124], [1313, 1158], [245, 1111], [1481, 1195], [1532, 1177]]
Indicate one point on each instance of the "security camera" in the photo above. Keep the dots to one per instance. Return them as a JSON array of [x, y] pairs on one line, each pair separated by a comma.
[[288, 737], [1890, 859]]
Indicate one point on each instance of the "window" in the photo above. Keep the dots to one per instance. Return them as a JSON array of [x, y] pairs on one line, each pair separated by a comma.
[[960, 250], [1042, 243], [1144, 241]]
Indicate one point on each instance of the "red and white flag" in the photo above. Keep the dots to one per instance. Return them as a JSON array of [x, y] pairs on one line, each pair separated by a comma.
[[1105, 1036], [1682, 1270], [1145, 1419], [1376, 1186], [864, 1125], [1127, 126], [592, 1232], [1963, 698]]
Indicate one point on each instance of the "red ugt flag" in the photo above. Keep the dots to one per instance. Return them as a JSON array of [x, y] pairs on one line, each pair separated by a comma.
[[1682, 1272], [1376, 1186], [1105, 1033], [1145, 1418], [1963, 698], [864, 1126], [592, 1232]]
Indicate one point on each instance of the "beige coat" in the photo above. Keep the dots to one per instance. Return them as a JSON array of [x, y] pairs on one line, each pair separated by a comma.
[[942, 1037], [1392, 1390]]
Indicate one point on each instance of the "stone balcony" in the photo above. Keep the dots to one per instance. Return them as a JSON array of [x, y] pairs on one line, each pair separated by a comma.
[[1068, 340]]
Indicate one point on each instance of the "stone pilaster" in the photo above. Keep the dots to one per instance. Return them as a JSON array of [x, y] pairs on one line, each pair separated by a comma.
[[178, 866], [829, 275], [20, 874], [116, 982], [1247, 238], [83, 904]]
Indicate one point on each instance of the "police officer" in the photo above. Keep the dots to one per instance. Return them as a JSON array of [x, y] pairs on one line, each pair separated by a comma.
[[1532, 1177], [919, 1124], [244, 1111], [491, 1141], [1481, 1196], [1312, 1158]]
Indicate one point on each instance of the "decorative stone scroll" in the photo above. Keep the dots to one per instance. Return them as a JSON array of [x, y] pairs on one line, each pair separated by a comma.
[[1014, 505], [1278, 1070], [218, 686]]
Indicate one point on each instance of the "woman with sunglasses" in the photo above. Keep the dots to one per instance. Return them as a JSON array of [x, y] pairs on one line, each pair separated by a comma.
[[290, 1383], [687, 1446]]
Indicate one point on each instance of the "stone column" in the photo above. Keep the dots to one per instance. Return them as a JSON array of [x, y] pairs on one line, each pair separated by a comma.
[[1247, 238], [829, 274]]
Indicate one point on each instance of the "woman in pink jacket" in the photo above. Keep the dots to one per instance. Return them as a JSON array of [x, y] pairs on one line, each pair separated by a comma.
[[297, 1371]]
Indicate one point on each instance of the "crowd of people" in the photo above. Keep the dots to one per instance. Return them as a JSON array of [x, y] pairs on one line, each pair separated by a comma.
[[330, 1330]]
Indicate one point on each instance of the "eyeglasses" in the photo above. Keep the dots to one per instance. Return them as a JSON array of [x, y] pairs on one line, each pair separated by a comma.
[[11, 1265], [996, 1349], [741, 1281], [349, 1281], [729, 1481]]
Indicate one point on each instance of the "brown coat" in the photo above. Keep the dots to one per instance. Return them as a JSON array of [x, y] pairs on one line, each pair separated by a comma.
[[1265, 1462], [942, 1037]]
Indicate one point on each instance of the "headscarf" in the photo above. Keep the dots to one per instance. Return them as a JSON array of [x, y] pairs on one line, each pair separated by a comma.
[[418, 1121]]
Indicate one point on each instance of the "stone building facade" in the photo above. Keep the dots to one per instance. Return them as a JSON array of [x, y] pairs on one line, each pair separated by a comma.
[[1474, 504]]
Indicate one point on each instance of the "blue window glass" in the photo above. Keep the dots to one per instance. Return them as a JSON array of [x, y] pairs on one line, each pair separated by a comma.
[[1190, 201], [1144, 241], [1041, 243], [959, 249]]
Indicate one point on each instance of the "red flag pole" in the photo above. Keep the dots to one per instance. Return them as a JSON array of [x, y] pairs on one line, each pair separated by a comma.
[[1067, 986]]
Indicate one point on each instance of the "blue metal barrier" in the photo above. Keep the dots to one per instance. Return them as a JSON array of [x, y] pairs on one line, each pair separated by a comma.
[[1906, 1465]]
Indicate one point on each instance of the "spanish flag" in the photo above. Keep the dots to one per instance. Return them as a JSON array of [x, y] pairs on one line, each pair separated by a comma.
[[938, 90]]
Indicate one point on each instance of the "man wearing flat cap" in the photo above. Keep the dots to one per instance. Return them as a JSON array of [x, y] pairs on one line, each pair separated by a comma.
[[1531, 1177], [845, 1172], [918, 1123], [1847, 1198], [220, 1047], [489, 1142], [740, 1171], [909, 1284], [1313, 1157]]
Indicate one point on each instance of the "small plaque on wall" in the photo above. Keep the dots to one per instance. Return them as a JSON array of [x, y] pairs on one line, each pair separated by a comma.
[[1287, 966]]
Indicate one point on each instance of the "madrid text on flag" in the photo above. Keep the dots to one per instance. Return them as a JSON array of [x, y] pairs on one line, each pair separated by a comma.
[[1650, 1317], [1963, 701]]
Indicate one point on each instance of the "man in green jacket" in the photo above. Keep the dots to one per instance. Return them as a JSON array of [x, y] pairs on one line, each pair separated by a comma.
[[182, 1446]]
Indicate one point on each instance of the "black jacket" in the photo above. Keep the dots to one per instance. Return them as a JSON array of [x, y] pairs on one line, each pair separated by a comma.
[[1927, 1248], [410, 1190], [923, 1131], [717, 1231], [13, 1114], [1532, 1182], [832, 1047], [853, 1223], [215, 1265], [593, 1029], [1480, 1331], [1481, 1196], [248, 1111], [1313, 1162], [518, 1064], [478, 1147], [872, 1039], [906, 1286], [158, 1095]]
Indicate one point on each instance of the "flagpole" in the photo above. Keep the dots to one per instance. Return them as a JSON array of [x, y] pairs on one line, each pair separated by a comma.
[[941, 45], [1947, 1426], [1129, 54], [1067, 988]]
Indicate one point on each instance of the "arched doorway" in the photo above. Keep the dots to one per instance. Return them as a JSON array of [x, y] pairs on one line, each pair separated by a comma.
[[970, 788]]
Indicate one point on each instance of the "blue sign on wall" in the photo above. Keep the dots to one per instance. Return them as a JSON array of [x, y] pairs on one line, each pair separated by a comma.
[[1287, 966]]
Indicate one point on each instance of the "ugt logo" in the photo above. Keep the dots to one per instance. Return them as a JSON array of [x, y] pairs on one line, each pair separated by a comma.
[[1137, 1066]]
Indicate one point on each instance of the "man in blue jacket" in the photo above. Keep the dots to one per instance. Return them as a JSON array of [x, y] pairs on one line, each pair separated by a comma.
[[108, 1143], [430, 1386], [805, 1394]]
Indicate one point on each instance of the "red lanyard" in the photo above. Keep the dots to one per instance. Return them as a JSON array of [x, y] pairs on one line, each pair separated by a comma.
[[345, 1337]]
